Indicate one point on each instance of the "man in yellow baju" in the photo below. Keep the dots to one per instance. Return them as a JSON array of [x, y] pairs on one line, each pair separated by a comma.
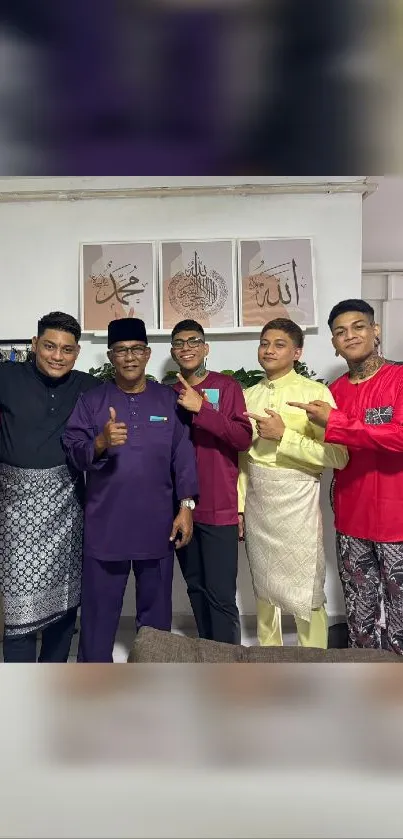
[[278, 492]]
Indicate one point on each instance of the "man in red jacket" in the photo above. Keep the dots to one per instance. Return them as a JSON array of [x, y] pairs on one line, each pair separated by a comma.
[[368, 493], [219, 430]]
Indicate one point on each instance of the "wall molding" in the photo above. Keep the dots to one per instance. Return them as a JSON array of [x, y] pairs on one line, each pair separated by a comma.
[[363, 188], [382, 267]]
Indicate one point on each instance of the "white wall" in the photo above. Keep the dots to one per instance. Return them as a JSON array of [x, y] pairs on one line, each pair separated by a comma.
[[39, 253], [382, 223], [384, 292], [382, 286]]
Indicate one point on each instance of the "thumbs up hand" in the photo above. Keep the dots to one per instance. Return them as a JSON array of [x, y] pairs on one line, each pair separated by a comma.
[[115, 433], [189, 398]]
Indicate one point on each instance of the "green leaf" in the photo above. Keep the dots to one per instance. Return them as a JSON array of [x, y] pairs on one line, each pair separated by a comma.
[[246, 378], [105, 373], [170, 378]]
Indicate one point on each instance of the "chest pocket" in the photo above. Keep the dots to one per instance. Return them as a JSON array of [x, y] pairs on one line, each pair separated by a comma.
[[379, 416], [157, 430]]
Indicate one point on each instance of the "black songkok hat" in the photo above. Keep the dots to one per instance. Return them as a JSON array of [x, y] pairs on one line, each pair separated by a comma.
[[126, 329]]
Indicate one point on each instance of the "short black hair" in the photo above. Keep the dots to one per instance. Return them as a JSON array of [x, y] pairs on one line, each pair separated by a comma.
[[187, 326], [351, 306], [61, 322], [292, 329]]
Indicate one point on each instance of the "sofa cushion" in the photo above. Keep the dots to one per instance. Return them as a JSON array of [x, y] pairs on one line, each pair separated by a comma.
[[151, 645]]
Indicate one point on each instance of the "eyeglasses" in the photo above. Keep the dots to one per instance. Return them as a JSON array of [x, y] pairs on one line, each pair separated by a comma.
[[179, 343], [137, 350]]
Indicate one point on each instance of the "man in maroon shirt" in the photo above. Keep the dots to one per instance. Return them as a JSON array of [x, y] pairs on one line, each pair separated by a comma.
[[219, 430]]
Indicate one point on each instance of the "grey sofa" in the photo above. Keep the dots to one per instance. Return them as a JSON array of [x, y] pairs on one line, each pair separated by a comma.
[[153, 646]]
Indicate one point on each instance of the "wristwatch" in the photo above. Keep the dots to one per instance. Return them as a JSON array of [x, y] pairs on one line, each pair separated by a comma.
[[188, 502]]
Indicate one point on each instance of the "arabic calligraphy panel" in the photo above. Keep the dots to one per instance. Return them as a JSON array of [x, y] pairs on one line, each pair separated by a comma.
[[198, 281], [118, 279], [276, 279]]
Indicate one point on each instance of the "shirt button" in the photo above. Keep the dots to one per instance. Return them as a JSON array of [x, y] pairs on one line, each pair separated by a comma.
[[53, 395], [134, 427], [132, 399]]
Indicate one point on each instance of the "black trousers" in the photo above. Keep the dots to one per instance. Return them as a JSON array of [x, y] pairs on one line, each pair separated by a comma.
[[55, 646], [209, 565]]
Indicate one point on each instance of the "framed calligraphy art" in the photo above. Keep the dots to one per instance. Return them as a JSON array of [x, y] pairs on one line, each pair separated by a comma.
[[276, 279], [198, 281], [117, 280]]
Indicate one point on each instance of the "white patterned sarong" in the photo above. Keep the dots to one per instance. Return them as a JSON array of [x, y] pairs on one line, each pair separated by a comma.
[[41, 534], [284, 539]]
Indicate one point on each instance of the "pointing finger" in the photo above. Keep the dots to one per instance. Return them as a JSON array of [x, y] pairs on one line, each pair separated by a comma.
[[302, 405], [183, 381], [253, 416]]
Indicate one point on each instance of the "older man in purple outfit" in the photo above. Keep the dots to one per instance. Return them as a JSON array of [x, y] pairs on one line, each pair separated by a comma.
[[140, 467]]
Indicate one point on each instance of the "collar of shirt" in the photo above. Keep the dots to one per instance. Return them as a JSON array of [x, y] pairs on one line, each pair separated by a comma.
[[201, 385], [48, 381], [289, 379]]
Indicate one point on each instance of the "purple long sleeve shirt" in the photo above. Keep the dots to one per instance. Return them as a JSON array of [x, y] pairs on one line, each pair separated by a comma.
[[131, 490]]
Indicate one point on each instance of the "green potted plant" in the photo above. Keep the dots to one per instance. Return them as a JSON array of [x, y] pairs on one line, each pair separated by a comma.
[[246, 378], [106, 373]]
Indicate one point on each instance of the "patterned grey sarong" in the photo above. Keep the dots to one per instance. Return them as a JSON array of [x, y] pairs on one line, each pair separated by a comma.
[[41, 534]]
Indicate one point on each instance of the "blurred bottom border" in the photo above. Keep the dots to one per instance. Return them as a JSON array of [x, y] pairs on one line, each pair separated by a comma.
[[213, 750]]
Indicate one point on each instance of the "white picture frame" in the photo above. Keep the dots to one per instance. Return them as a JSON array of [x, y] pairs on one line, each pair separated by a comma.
[[121, 278], [209, 294], [291, 268]]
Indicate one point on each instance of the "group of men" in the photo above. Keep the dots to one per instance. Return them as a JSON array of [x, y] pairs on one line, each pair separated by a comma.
[[101, 478]]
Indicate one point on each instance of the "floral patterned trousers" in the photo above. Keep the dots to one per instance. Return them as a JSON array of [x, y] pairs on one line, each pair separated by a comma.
[[372, 572]]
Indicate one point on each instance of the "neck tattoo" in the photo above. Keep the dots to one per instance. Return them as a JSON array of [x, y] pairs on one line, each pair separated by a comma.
[[200, 372], [364, 369]]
